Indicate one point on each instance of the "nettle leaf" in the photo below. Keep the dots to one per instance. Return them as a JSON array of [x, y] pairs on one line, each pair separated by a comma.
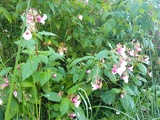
[[101, 54], [65, 105], [46, 33], [142, 68], [6, 14], [111, 76], [29, 67], [43, 58], [53, 96]]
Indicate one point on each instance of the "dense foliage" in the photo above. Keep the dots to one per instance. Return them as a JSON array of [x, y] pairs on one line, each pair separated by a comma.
[[84, 59]]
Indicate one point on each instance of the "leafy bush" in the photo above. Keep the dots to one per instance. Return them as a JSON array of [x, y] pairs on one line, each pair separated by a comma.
[[79, 59]]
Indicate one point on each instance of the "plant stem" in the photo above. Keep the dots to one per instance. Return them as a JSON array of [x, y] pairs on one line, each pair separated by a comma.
[[7, 112]]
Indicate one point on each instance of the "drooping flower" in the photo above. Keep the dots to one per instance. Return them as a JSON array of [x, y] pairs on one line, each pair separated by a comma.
[[131, 53], [88, 71], [96, 85], [121, 50], [80, 17], [27, 34], [138, 47], [73, 115], [146, 60], [15, 93], [41, 19], [1, 102], [76, 100], [114, 69], [125, 78], [130, 68]]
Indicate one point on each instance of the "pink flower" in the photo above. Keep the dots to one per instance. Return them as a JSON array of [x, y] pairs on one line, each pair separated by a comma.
[[73, 115], [88, 71], [76, 100], [54, 75], [114, 69], [131, 53], [27, 35], [96, 85], [125, 78], [121, 50], [15, 93], [120, 70], [138, 48], [5, 85], [41, 19], [130, 68]]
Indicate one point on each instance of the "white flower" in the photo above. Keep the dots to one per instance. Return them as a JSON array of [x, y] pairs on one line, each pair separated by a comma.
[[80, 17], [27, 35], [1, 102], [15, 93]]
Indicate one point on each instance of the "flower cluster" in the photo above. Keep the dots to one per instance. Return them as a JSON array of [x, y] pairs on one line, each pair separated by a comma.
[[5, 84], [32, 18], [125, 61]]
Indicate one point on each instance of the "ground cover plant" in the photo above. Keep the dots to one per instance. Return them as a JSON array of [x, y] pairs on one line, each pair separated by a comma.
[[79, 59]]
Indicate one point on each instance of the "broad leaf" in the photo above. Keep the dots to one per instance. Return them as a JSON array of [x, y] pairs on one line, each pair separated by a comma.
[[65, 105], [46, 33], [53, 96], [142, 68]]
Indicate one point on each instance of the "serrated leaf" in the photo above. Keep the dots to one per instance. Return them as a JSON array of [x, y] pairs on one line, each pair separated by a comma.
[[53, 96], [29, 67], [65, 105]]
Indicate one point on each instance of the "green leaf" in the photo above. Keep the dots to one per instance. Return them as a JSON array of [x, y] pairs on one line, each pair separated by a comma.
[[46, 33], [27, 84], [45, 78], [5, 71], [142, 68], [127, 102], [53, 96], [109, 97], [80, 59], [73, 89], [111, 76], [65, 105], [101, 54], [43, 58], [134, 8], [6, 14], [29, 67], [75, 77]]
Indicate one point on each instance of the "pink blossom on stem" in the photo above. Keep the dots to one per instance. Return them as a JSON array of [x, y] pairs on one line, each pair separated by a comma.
[[76, 100], [131, 53], [27, 34], [15, 93], [88, 71], [130, 68], [125, 78], [41, 19], [96, 85], [138, 48], [114, 69], [72, 115], [121, 50]]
